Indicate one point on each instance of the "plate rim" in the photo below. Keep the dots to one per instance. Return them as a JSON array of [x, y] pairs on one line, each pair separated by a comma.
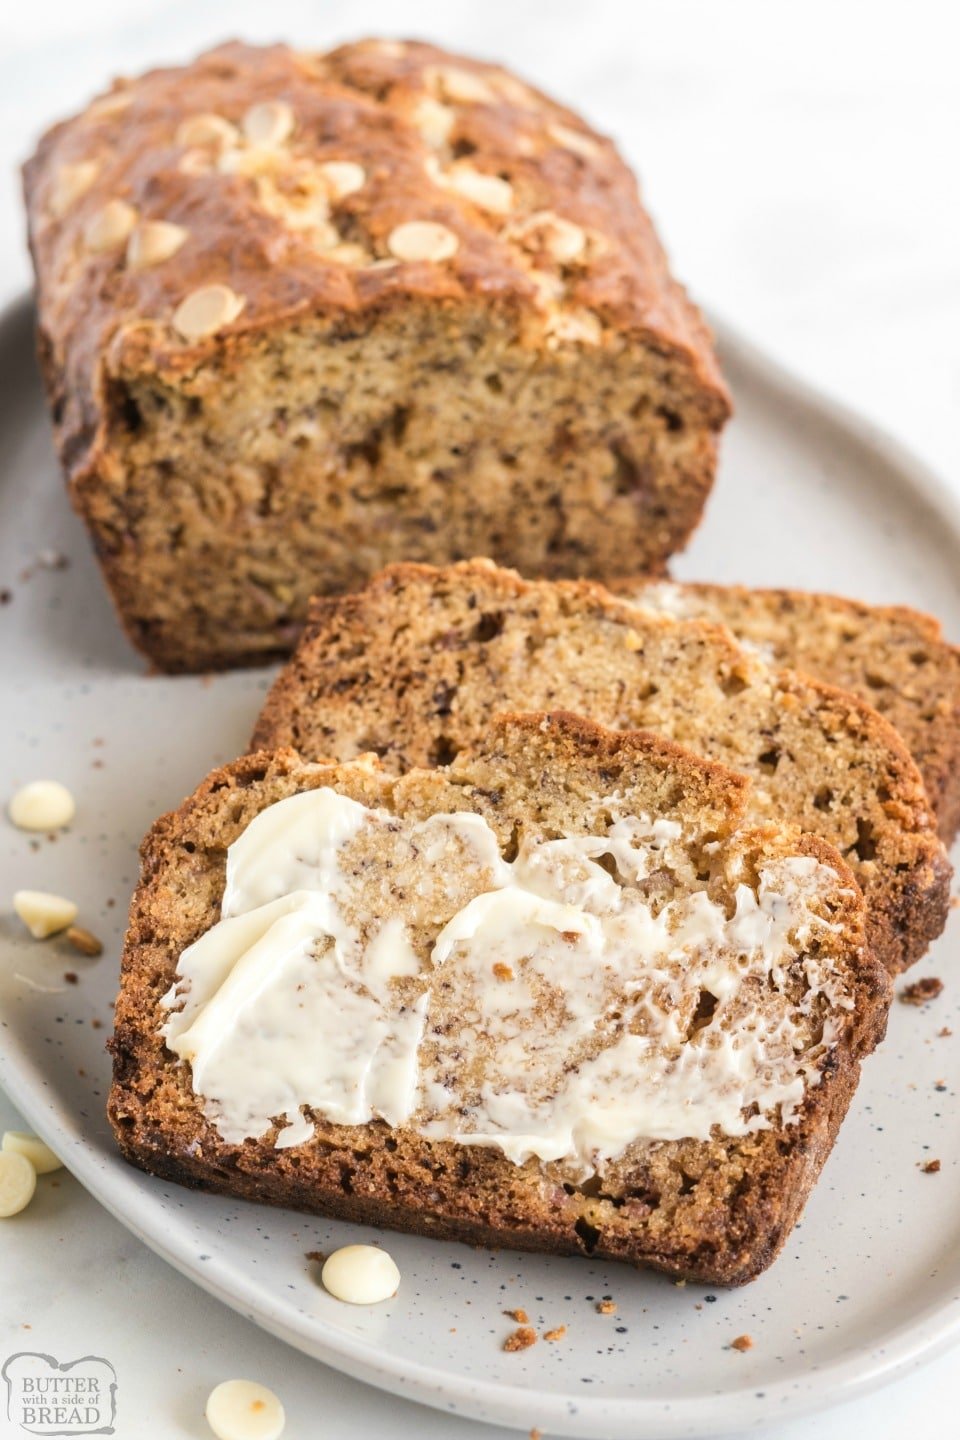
[[933, 1329]]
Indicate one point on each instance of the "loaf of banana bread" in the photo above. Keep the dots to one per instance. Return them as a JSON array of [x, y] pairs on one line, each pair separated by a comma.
[[559, 995], [413, 666], [304, 314], [891, 656]]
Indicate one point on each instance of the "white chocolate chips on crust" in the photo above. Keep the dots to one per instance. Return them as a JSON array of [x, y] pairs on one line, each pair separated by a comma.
[[574, 326], [110, 226], [72, 182], [422, 240], [269, 124], [573, 140], [205, 311], [560, 239], [154, 241], [463, 87], [344, 177], [207, 129], [487, 192], [434, 121]]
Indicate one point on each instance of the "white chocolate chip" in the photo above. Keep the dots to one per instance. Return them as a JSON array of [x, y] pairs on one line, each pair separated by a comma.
[[269, 124], [205, 311], [573, 140], [348, 254], [42, 805], [32, 1148], [42, 913], [576, 326], [254, 160], [154, 241], [550, 288], [207, 129], [71, 183], [244, 1410], [110, 226], [360, 1275], [113, 104], [461, 86], [563, 241], [515, 91], [343, 176], [422, 240], [196, 162], [18, 1181], [434, 121], [488, 192]]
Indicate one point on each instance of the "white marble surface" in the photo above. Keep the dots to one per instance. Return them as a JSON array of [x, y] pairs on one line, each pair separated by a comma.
[[801, 163]]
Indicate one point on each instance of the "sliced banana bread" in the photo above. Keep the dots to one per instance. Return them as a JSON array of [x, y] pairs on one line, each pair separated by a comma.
[[304, 314], [891, 656], [604, 1013], [413, 666]]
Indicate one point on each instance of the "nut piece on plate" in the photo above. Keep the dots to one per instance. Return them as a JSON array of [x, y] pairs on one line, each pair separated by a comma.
[[244, 1410], [42, 913], [32, 1148], [18, 1181], [360, 1275], [42, 805], [84, 941]]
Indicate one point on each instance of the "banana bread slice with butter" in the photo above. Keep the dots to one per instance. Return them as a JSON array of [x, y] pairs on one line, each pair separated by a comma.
[[301, 315], [891, 656], [413, 666], [559, 995]]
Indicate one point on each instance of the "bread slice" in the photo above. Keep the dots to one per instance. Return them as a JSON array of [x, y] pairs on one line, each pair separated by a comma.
[[304, 314], [414, 665], [715, 1208], [891, 656]]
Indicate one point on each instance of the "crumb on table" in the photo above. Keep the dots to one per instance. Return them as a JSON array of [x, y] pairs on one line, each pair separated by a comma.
[[742, 1342], [520, 1339], [918, 992], [606, 1307], [521, 1316], [932, 1167], [557, 1333]]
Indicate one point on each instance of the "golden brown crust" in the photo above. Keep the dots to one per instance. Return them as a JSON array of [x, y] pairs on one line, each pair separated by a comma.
[[565, 265], [412, 666], [716, 1211], [893, 657]]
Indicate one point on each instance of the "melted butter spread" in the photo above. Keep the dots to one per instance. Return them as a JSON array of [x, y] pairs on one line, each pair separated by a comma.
[[557, 1006]]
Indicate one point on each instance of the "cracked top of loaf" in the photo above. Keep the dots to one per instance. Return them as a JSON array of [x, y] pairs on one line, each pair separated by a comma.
[[193, 207]]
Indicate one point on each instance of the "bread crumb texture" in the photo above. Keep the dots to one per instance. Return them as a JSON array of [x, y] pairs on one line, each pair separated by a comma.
[[716, 1209], [413, 666]]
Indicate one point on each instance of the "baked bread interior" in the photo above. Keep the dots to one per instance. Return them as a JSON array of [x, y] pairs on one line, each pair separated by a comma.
[[558, 995]]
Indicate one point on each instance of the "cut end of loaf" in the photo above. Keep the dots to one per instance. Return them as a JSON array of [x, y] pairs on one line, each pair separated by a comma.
[[306, 458]]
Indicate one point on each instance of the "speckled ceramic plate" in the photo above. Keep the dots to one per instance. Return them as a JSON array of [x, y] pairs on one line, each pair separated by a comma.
[[869, 1283]]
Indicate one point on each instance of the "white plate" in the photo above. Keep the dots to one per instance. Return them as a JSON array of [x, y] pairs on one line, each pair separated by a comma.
[[869, 1283]]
